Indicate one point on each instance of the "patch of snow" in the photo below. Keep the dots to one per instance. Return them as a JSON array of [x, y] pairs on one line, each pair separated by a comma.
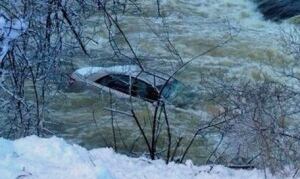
[[10, 29], [34, 157]]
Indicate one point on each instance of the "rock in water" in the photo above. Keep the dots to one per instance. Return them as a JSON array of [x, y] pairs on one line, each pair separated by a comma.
[[279, 9]]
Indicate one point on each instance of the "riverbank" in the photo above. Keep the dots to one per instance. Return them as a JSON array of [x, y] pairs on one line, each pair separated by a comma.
[[34, 157]]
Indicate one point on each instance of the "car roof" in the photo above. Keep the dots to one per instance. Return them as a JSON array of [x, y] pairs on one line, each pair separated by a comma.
[[94, 73], [122, 69]]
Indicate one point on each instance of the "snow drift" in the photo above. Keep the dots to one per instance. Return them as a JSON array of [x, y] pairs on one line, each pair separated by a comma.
[[34, 157]]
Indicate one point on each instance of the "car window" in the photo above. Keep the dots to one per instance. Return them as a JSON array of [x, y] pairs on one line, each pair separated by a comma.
[[151, 78], [170, 89], [121, 83]]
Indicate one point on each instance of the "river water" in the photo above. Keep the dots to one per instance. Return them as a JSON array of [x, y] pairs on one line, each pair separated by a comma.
[[193, 26]]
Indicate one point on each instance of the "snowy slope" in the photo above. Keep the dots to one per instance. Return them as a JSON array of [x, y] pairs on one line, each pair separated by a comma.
[[34, 157]]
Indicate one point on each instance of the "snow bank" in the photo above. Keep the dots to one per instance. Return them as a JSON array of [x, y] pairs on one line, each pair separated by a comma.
[[10, 29], [34, 157]]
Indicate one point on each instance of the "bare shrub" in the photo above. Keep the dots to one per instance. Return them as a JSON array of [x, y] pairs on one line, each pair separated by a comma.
[[32, 71]]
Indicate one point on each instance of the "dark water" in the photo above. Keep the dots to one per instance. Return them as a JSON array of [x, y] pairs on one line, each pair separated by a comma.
[[194, 27], [278, 10]]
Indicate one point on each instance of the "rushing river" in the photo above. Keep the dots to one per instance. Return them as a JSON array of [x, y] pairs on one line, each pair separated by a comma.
[[193, 26]]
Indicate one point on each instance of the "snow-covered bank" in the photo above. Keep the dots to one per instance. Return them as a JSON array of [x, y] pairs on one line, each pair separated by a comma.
[[34, 157]]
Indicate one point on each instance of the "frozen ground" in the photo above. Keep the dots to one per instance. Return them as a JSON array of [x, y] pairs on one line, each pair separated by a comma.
[[34, 157]]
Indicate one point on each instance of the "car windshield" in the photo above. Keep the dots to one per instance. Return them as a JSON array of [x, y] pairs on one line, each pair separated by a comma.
[[170, 89]]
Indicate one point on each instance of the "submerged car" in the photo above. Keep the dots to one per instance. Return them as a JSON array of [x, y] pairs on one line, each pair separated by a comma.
[[126, 81]]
